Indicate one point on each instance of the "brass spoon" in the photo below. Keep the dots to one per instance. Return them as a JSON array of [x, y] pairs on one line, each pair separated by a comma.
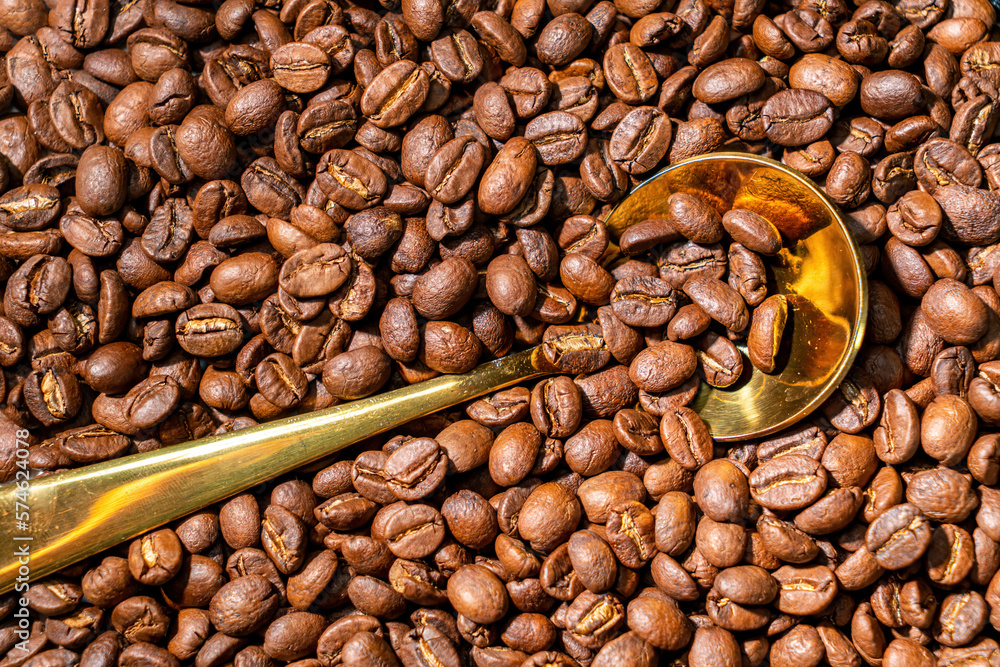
[[81, 512]]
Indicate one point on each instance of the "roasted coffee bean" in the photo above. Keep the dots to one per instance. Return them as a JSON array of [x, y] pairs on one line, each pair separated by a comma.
[[508, 178], [788, 482], [752, 231], [952, 315], [317, 271], [513, 453], [914, 219], [659, 622], [413, 531], [350, 179], [37, 287], [727, 80], [630, 74], [453, 170], [855, 404], [898, 537], [556, 407], [583, 234], [586, 279], [29, 207], [814, 159], [797, 117], [151, 401], [719, 300], [502, 408], [243, 605], [395, 94], [685, 438], [300, 67], [541, 527], [952, 501], [964, 615], [642, 301], [511, 286], [164, 298], [76, 115], [477, 594], [558, 136], [371, 232], [663, 367], [711, 482], [891, 95], [447, 347], [602, 176], [442, 291], [640, 140], [280, 380], [52, 396], [694, 218], [229, 279], [92, 237], [499, 35], [951, 415], [155, 558], [416, 469], [209, 330], [684, 260], [631, 533], [766, 332], [638, 432], [356, 373], [804, 590]]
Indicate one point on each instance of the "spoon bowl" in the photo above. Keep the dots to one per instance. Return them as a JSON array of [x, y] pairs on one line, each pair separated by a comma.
[[820, 270]]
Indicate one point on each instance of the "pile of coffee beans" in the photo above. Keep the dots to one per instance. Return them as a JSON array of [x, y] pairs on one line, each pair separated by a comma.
[[216, 215], [696, 264]]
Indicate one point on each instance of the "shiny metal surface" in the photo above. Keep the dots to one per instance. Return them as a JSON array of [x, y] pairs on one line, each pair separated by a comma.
[[820, 270]]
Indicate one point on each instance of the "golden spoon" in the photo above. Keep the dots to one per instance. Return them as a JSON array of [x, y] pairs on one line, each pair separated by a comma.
[[81, 512]]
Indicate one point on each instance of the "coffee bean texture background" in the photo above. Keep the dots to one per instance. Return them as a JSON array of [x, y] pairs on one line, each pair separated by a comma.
[[218, 214]]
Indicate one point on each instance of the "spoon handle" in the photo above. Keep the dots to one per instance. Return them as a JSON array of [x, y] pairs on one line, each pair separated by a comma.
[[81, 512]]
